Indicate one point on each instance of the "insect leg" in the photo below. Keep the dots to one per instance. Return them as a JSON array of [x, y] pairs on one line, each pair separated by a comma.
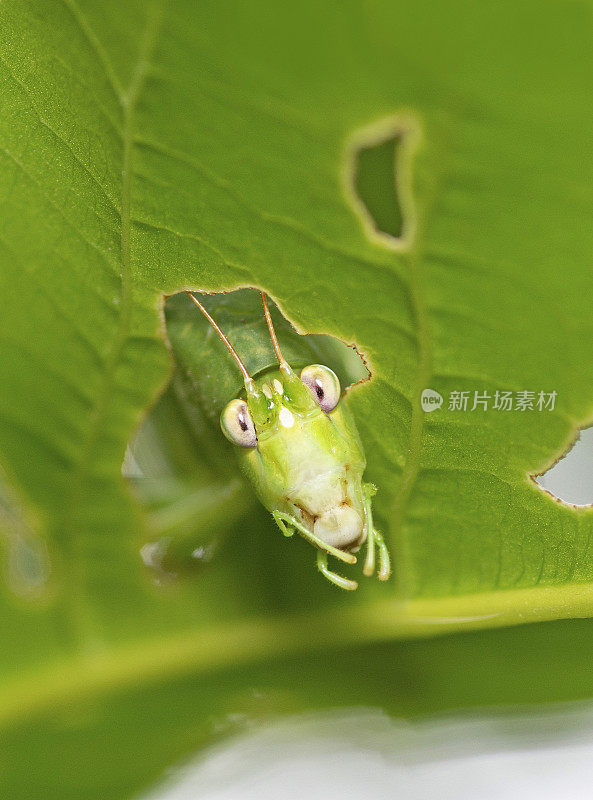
[[369, 563], [280, 516], [384, 560], [286, 531], [374, 537], [332, 577]]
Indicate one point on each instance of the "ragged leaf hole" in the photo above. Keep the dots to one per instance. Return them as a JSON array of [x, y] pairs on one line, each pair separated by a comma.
[[570, 479], [177, 463], [378, 178], [376, 185]]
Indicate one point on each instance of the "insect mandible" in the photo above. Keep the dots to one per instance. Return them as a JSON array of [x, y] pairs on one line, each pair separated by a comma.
[[298, 445]]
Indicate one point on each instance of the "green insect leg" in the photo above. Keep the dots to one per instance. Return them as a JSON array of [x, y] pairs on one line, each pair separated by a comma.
[[333, 577], [384, 560], [282, 520], [286, 531], [374, 538]]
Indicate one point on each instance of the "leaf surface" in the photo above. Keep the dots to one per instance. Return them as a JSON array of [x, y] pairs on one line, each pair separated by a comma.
[[148, 148]]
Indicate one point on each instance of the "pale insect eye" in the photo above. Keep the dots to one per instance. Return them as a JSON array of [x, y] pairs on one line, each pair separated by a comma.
[[237, 425], [324, 385]]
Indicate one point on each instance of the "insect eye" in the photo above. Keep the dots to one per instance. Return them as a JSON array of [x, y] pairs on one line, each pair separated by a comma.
[[237, 425], [324, 385]]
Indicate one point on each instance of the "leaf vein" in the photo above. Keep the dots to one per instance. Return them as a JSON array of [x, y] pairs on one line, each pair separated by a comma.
[[59, 137], [79, 610]]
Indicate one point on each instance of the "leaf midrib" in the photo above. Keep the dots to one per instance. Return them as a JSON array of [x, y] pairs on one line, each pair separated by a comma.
[[78, 611], [239, 643]]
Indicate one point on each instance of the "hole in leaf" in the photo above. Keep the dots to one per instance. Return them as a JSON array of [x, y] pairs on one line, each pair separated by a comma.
[[378, 179], [376, 185], [180, 465], [570, 479]]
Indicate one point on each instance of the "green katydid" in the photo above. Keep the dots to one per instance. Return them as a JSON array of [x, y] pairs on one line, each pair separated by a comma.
[[298, 446]]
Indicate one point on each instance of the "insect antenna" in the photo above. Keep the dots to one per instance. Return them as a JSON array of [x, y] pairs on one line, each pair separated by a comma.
[[282, 361], [231, 349]]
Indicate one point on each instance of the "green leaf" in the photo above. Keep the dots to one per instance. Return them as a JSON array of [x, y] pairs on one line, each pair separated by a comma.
[[153, 147]]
